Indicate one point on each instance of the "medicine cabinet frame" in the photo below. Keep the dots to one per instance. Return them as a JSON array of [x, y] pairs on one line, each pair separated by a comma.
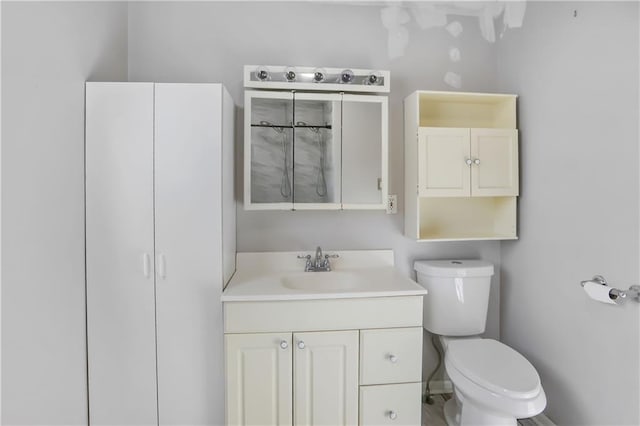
[[344, 129]]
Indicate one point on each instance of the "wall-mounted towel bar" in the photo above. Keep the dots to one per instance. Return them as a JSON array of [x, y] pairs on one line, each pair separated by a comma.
[[614, 295]]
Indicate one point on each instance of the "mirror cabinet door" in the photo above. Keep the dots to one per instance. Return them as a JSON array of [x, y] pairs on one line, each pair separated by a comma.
[[364, 151], [269, 156], [316, 151]]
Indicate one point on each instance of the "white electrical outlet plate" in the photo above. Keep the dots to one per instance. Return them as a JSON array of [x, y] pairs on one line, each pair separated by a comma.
[[392, 204]]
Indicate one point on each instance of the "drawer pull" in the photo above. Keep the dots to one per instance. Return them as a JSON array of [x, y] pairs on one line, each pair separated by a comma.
[[393, 358], [284, 344], [393, 415]]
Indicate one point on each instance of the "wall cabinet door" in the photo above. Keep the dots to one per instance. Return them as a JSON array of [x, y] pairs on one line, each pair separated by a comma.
[[467, 162], [364, 151], [188, 242], [494, 172], [443, 162], [121, 326], [258, 379], [326, 378]]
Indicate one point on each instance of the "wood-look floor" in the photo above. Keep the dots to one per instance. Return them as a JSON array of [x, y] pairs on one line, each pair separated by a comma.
[[433, 415]]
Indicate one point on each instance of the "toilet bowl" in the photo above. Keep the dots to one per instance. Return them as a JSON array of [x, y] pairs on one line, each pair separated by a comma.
[[493, 384]]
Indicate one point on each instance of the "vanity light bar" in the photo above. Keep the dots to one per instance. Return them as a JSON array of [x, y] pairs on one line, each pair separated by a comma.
[[316, 78]]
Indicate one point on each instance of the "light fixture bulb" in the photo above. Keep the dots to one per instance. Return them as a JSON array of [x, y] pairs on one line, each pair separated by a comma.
[[262, 73], [290, 73], [346, 76], [319, 75], [374, 78]]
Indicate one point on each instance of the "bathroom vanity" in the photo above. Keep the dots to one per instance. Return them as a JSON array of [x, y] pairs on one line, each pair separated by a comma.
[[341, 347]]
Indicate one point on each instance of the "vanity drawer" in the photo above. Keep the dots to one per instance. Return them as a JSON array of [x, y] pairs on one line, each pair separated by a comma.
[[391, 404], [390, 355]]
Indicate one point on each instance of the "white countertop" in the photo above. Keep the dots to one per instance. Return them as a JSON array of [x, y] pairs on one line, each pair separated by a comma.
[[281, 276]]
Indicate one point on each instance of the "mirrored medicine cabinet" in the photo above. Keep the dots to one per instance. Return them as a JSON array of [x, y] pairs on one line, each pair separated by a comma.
[[315, 151]]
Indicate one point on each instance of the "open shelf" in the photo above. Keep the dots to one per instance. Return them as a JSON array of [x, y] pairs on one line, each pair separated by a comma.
[[466, 218], [479, 110]]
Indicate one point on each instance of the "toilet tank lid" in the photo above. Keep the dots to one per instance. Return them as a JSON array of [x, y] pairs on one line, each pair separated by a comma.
[[454, 268]]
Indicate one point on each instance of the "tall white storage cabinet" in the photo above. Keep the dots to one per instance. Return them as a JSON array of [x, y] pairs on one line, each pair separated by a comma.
[[160, 230]]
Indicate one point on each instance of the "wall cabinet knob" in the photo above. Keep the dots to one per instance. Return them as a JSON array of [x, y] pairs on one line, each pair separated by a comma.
[[476, 161], [468, 161], [393, 358], [284, 344], [393, 415], [300, 344]]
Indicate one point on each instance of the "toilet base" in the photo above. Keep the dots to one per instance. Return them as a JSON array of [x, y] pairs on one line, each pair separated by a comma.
[[471, 415]]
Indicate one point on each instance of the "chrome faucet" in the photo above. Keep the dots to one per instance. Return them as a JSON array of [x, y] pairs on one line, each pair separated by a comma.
[[320, 263]]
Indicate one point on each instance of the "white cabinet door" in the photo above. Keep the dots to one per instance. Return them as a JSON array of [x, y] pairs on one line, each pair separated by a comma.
[[119, 254], [495, 169], [364, 151], [258, 379], [443, 162], [326, 378], [188, 252]]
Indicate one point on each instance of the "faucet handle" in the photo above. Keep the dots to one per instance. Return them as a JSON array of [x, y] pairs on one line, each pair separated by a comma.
[[331, 256], [301, 256]]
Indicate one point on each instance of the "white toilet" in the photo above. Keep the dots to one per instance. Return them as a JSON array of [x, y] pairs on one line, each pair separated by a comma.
[[493, 384]]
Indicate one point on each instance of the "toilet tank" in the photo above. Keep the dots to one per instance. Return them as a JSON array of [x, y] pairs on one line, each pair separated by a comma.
[[458, 297]]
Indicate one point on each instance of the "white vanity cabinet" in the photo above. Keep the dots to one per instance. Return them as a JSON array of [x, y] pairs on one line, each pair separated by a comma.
[[160, 244], [319, 362], [461, 166], [315, 151]]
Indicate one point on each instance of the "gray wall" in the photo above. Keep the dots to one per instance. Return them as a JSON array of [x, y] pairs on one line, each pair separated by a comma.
[[211, 42], [578, 85], [48, 51]]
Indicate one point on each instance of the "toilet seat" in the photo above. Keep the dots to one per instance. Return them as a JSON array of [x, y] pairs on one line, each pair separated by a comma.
[[495, 367]]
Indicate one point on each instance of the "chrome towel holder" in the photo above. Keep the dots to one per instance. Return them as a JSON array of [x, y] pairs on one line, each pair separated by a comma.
[[632, 293]]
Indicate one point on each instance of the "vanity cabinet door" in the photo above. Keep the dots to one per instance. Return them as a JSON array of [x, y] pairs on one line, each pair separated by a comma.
[[326, 378], [258, 379]]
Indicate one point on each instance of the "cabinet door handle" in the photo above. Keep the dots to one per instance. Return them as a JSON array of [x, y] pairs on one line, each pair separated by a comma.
[[476, 161], [300, 344], [284, 344], [393, 358], [162, 266], [146, 265], [468, 161], [393, 415]]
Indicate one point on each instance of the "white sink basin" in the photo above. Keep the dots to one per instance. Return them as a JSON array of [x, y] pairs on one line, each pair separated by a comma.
[[281, 276], [322, 281]]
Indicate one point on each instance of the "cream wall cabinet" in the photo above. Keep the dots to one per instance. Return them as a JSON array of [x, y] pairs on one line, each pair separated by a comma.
[[461, 166], [160, 244], [346, 376], [315, 151]]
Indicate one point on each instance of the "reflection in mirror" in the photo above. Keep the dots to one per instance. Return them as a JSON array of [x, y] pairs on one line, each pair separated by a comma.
[[317, 151], [271, 150], [361, 152]]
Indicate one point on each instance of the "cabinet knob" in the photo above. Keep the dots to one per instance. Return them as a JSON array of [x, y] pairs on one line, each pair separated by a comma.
[[476, 161], [393, 358], [393, 415], [284, 344], [468, 161], [300, 344]]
